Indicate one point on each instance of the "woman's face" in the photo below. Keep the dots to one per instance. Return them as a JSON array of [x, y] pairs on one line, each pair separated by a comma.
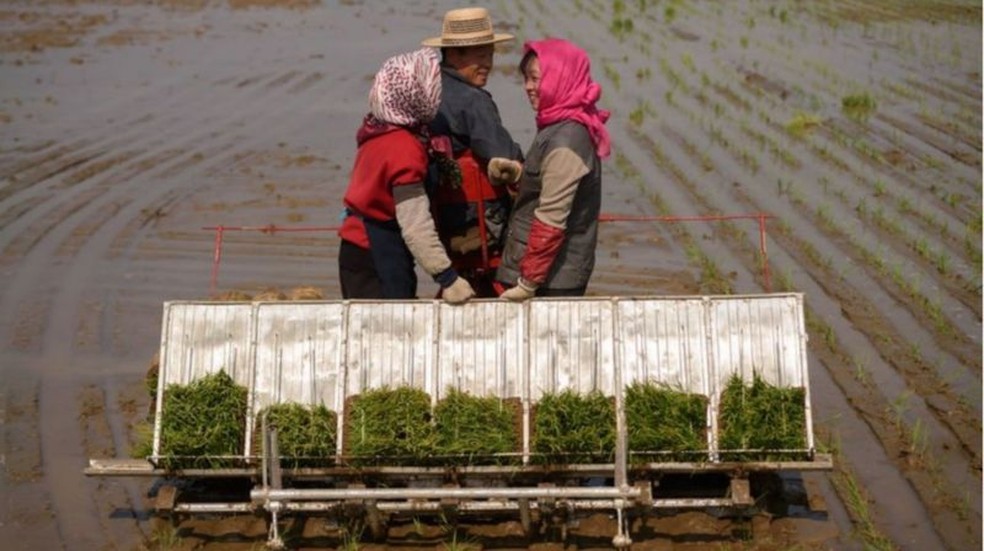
[[531, 82]]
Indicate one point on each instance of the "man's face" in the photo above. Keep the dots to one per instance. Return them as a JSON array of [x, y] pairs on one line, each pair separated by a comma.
[[473, 63]]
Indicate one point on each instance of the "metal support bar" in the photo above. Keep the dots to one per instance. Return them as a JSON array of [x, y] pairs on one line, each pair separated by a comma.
[[141, 467], [465, 506], [313, 494]]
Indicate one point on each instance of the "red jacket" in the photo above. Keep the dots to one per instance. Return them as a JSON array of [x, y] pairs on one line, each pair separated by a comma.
[[383, 161]]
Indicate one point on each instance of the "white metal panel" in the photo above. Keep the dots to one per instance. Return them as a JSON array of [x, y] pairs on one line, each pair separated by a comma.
[[481, 349], [323, 352], [664, 340], [201, 338], [761, 335], [571, 346], [298, 353], [390, 343]]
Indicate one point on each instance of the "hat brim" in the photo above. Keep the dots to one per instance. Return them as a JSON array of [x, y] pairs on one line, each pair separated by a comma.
[[440, 42]]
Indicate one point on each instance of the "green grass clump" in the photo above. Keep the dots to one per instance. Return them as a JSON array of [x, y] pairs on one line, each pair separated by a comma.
[[143, 439], [573, 428], [762, 417], [663, 423], [390, 426], [802, 123], [477, 427], [305, 435], [203, 422], [858, 106]]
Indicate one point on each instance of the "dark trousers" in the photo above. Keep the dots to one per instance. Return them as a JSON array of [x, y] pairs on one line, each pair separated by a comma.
[[384, 270]]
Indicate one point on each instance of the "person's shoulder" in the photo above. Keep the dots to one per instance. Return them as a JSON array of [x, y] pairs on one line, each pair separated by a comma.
[[395, 144], [400, 137], [570, 134]]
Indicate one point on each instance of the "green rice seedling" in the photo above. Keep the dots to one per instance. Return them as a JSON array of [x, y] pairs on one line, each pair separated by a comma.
[[480, 428], [802, 124], [664, 423], [390, 424], [203, 423], [164, 536], [760, 418], [857, 502], [613, 75], [572, 428], [638, 115], [305, 435], [143, 439], [858, 106]]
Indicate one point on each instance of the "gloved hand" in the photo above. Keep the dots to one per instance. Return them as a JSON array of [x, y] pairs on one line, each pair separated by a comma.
[[470, 240], [458, 292], [504, 172], [522, 291]]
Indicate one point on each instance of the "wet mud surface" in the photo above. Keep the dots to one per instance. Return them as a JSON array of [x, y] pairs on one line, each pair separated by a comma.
[[130, 127]]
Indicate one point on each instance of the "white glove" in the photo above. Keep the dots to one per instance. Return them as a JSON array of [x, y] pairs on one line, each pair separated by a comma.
[[522, 291], [458, 292], [470, 240], [504, 171]]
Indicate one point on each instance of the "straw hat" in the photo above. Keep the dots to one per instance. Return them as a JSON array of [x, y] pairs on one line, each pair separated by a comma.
[[466, 27]]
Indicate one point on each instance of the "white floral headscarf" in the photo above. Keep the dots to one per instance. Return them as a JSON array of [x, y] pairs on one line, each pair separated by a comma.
[[407, 89]]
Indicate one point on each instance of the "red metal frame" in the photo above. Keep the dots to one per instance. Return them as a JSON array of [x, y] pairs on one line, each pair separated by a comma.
[[603, 218]]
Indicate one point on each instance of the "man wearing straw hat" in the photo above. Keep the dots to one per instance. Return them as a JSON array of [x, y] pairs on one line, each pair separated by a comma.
[[488, 160]]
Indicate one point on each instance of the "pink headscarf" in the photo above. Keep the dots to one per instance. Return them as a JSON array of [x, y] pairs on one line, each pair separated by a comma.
[[407, 89], [567, 91]]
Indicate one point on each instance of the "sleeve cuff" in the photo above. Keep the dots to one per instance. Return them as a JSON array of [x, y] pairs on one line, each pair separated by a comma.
[[446, 278]]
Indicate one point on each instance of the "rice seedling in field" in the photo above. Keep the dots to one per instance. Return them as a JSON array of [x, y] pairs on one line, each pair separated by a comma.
[[203, 423], [858, 106], [305, 435], [613, 75], [802, 123], [481, 428], [392, 424], [759, 419], [572, 428], [664, 423]]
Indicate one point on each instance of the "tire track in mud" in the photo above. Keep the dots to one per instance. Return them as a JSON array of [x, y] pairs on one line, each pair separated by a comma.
[[97, 156], [178, 137], [83, 149], [102, 211]]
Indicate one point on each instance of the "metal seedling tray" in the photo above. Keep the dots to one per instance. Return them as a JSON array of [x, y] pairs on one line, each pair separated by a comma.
[[323, 352]]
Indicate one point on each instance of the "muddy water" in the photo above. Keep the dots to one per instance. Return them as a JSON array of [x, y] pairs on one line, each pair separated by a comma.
[[128, 128]]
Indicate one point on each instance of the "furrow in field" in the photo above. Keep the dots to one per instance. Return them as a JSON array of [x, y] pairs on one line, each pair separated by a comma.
[[126, 208], [721, 136]]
